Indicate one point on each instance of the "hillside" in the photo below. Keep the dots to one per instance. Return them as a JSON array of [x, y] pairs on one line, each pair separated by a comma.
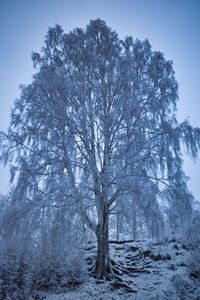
[[143, 270]]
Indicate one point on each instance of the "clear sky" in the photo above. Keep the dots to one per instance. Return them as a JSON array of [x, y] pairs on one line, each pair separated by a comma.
[[172, 26]]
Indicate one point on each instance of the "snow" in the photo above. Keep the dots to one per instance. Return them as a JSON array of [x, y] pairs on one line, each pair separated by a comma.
[[160, 273]]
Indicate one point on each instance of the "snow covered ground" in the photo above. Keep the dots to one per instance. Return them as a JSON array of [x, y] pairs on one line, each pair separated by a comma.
[[143, 270]]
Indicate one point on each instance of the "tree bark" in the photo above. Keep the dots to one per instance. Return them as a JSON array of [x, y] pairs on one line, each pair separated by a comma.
[[102, 267], [133, 219]]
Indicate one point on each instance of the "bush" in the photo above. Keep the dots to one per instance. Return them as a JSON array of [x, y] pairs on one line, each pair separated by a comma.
[[182, 288], [16, 276], [192, 241], [38, 253]]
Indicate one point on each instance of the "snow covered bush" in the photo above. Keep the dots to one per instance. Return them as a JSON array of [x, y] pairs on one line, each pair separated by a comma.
[[16, 275], [40, 249], [182, 288], [193, 231], [192, 243]]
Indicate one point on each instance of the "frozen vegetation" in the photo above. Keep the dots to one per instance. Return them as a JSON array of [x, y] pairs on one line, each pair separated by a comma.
[[145, 270], [94, 149]]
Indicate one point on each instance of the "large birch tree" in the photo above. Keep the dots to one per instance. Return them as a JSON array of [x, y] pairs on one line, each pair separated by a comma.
[[99, 116]]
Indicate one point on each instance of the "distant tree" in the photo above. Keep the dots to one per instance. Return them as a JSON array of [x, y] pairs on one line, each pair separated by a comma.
[[99, 116]]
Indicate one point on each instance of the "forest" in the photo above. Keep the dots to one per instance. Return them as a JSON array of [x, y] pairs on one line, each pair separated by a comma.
[[99, 202]]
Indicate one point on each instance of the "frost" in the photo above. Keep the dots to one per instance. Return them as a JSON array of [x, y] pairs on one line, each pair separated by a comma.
[[95, 153]]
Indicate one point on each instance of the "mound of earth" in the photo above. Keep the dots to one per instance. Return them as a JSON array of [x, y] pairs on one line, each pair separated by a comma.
[[141, 270]]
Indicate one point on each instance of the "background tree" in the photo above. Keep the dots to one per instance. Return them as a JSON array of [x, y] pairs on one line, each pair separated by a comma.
[[98, 120]]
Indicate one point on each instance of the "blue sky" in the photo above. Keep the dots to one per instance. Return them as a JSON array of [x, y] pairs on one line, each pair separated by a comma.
[[172, 26]]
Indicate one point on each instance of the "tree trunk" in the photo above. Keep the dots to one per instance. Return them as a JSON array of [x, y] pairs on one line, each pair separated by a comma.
[[133, 219], [102, 267]]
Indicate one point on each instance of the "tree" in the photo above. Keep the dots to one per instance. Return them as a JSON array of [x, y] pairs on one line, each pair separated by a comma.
[[99, 118]]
